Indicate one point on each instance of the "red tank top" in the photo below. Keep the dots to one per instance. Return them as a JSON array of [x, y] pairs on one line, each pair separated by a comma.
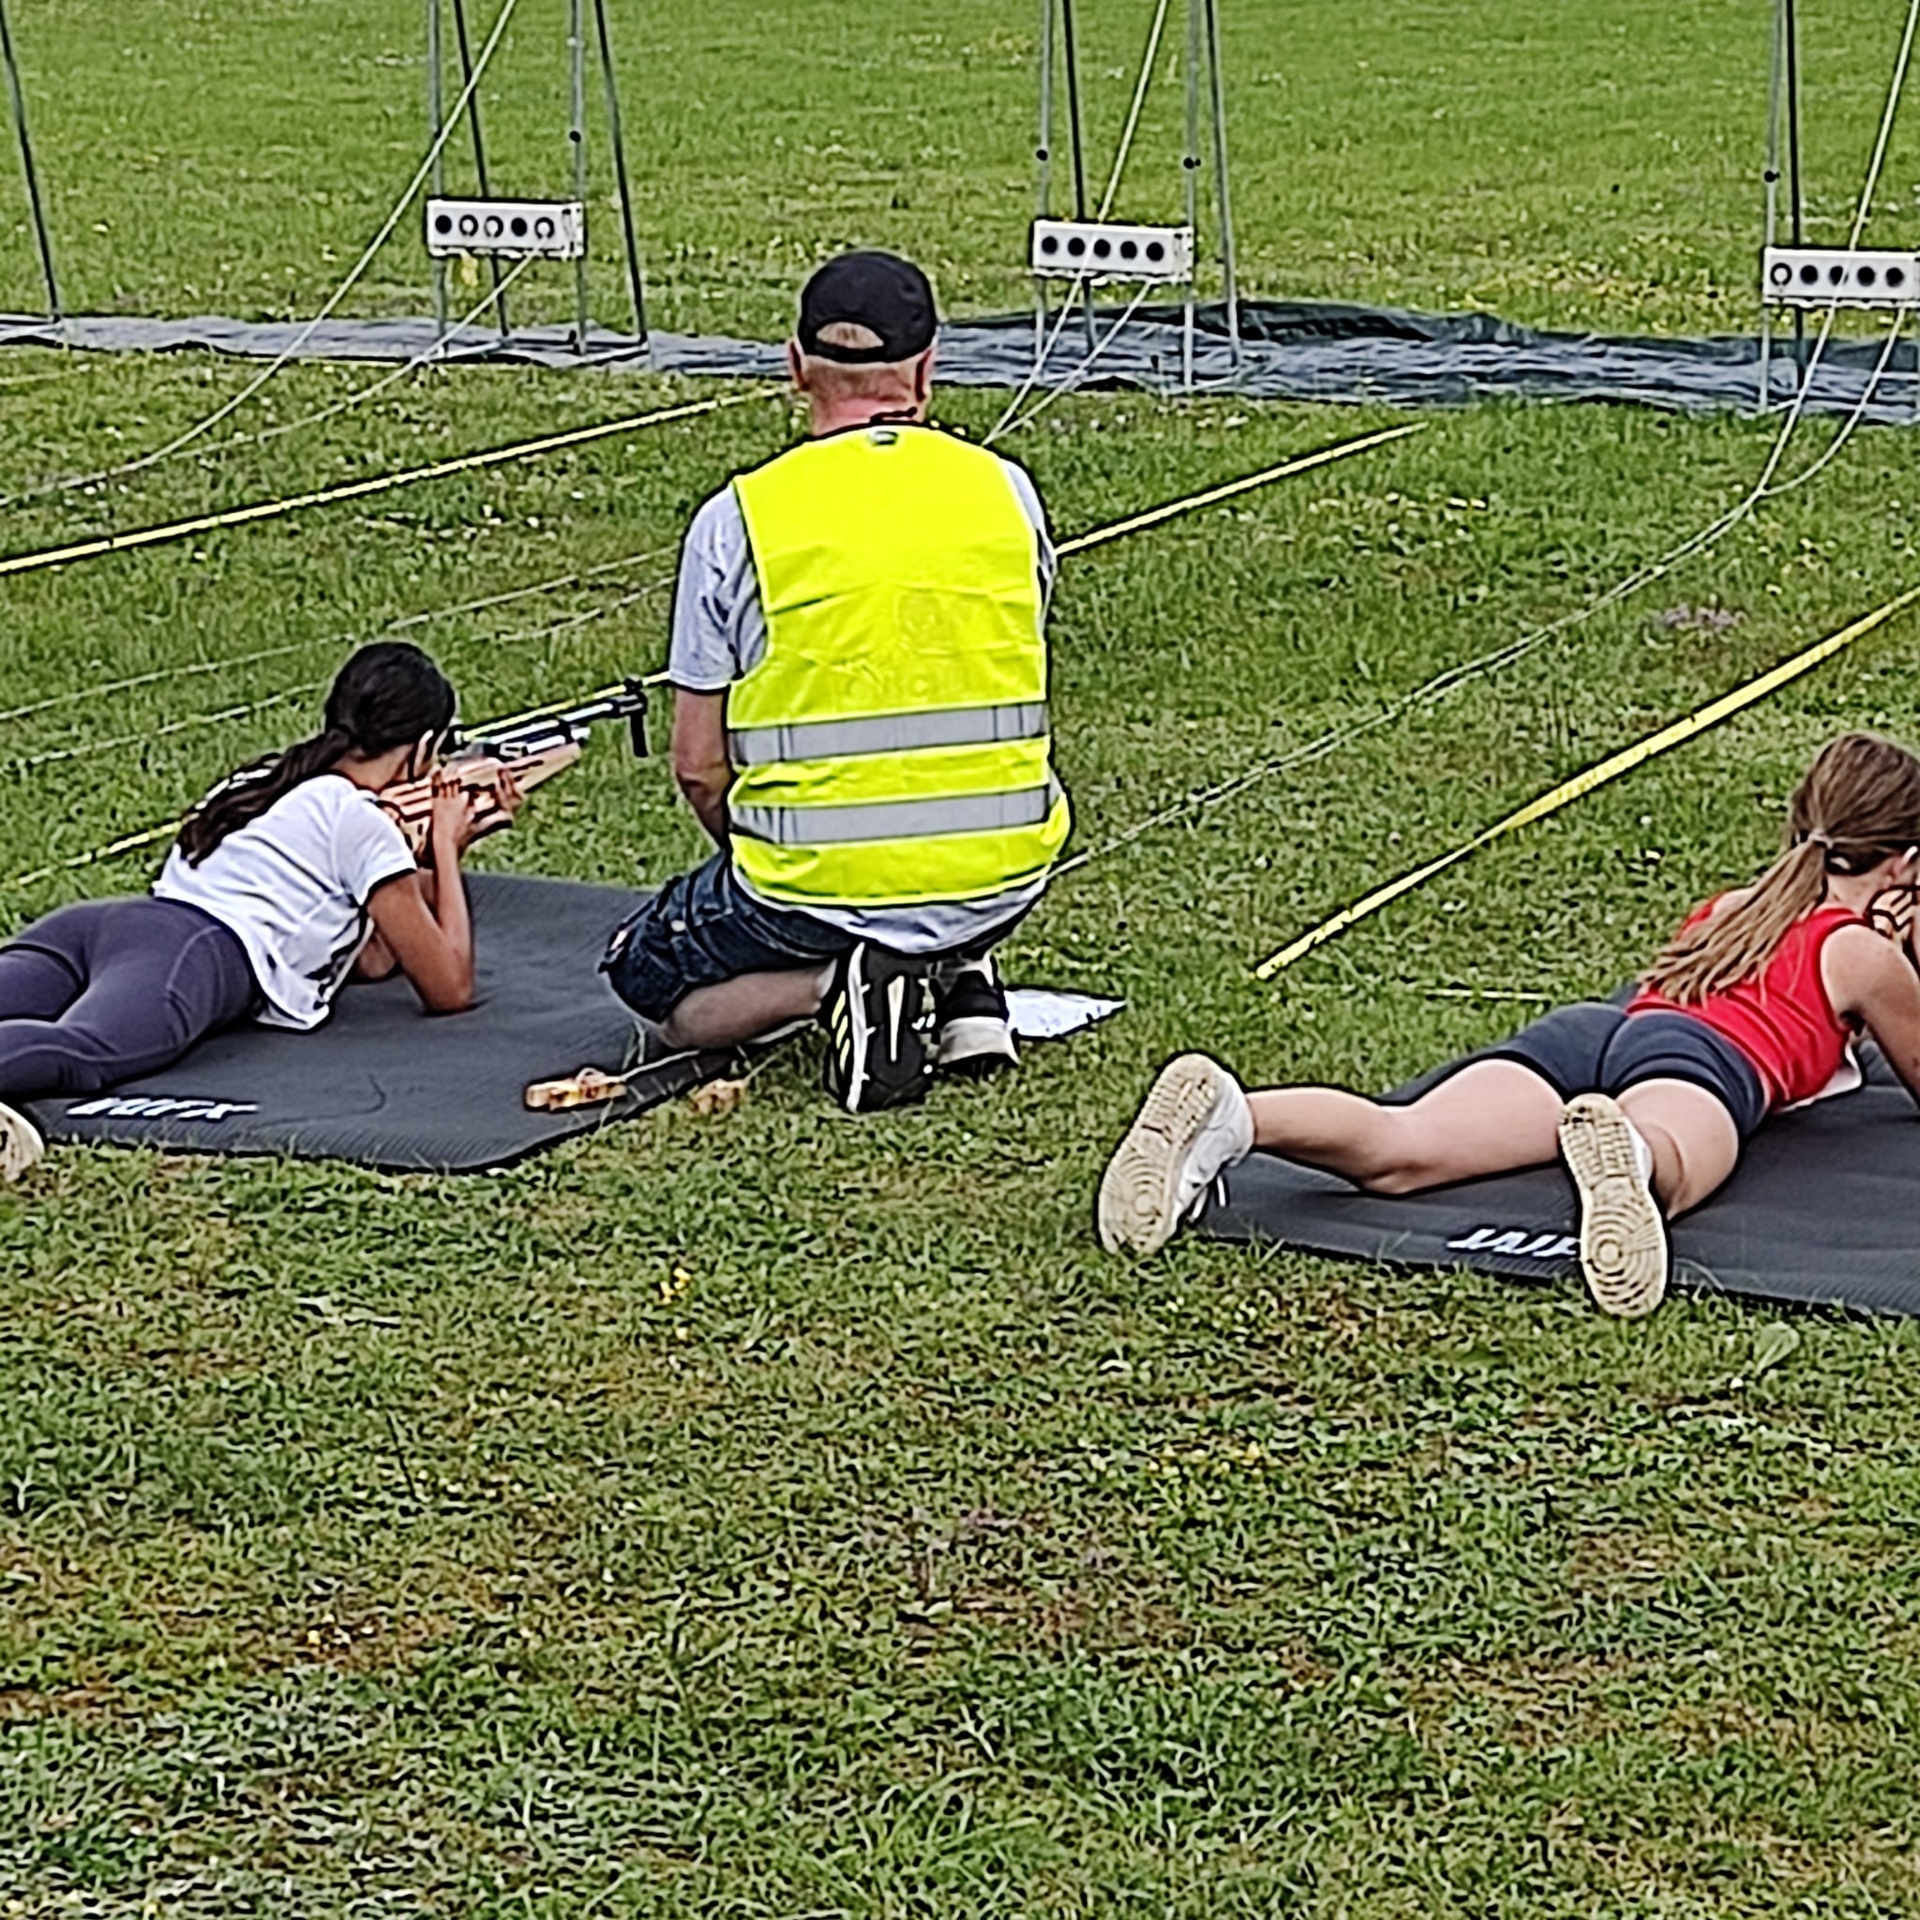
[[1780, 1018]]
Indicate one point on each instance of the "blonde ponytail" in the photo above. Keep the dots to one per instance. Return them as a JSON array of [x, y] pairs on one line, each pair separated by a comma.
[[1859, 803], [1735, 943]]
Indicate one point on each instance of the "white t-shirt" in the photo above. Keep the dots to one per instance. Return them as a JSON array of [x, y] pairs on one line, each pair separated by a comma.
[[720, 635], [293, 886]]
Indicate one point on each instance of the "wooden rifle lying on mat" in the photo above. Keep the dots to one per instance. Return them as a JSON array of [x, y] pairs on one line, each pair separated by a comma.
[[531, 747]]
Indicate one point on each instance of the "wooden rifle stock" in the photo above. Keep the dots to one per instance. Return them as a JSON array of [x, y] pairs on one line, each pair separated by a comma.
[[411, 803]]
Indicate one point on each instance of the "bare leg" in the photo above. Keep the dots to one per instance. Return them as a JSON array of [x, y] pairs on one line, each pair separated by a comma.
[[1489, 1117], [1694, 1141], [746, 1008]]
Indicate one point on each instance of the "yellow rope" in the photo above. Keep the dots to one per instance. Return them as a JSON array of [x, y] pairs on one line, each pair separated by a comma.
[[1324, 456], [1585, 783], [358, 489]]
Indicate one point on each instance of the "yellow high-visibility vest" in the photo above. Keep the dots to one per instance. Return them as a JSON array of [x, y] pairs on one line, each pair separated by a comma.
[[891, 746]]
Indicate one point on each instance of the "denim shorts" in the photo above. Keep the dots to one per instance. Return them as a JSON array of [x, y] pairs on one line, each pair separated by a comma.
[[704, 927], [1597, 1048]]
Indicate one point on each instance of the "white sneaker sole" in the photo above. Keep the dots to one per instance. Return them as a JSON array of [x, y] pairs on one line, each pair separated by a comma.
[[1623, 1238], [21, 1146], [1139, 1206], [976, 1043]]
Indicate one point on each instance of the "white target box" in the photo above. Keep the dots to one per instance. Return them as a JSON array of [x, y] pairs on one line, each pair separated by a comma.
[[1839, 276], [1101, 250], [507, 229]]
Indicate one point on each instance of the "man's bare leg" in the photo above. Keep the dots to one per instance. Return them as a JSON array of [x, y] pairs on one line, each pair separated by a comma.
[[746, 1008]]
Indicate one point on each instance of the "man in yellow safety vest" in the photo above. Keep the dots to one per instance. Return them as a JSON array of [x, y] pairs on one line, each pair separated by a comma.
[[860, 722]]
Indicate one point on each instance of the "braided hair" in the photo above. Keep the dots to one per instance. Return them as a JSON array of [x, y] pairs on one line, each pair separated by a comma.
[[387, 695], [1859, 803]]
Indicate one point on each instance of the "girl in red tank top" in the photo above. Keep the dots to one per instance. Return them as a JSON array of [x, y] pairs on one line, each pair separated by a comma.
[[1749, 1009]]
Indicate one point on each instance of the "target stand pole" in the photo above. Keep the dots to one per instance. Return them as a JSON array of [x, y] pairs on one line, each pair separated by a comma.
[[1043, 163], [436, 121], [1795, 204], [616, 140], [55, 310], [1190, 164], [472, 95], [1223, 198], [577, 134]]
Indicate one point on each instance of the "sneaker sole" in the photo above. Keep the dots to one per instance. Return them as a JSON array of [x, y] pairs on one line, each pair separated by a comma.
[[976, 1044], [21, 1146], [1137, 1207], [1623, 1237]]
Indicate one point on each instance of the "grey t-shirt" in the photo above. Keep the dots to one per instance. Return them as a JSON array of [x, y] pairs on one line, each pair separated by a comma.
[[720, 634]]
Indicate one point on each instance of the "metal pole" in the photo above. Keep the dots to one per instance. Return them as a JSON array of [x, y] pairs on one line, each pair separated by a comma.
[[1772, 177], [1190, 162], [1043, 164], [1228, 268], [1070, 43], [436, 119], [617, 140], [55, 311], [577, 133], [1795, 207], [479, 148]]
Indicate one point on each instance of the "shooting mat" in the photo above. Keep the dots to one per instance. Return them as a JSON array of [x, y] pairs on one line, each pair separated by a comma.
[[1821, 1212], [383, 1085]]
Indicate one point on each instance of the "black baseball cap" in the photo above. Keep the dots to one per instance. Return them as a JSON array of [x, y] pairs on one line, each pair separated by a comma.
[[879, 291]]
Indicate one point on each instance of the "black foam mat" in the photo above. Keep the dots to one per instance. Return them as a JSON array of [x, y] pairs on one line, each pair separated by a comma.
[[385, 1086], [1822, 1211]]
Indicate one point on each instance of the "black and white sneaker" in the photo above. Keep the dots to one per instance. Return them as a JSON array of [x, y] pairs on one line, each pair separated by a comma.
[[876, 1057], [21, 1146], [971, 1031]]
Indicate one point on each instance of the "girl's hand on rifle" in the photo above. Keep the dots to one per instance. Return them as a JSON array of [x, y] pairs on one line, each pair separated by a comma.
[[463, 814]]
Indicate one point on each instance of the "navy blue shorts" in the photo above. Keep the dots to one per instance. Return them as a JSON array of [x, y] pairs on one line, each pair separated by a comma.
[[1597, 1048], [704, 927]]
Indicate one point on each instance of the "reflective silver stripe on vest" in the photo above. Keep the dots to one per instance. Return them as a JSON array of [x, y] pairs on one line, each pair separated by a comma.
[[888, 733], [896, 819]]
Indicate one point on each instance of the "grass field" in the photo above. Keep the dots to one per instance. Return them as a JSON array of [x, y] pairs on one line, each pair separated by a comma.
[[779, 1514]]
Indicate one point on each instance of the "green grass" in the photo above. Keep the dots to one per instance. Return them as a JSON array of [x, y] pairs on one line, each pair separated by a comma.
[[781, 1514]]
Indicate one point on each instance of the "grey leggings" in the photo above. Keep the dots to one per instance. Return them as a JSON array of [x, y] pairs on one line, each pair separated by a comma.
[[109, 990]]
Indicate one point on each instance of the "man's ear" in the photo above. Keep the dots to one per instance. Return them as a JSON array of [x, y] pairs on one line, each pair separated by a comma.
[[421, 758], [923, 376], [796, 367]]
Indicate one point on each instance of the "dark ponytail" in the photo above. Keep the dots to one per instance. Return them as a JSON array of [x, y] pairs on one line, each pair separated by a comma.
[[388, 695]]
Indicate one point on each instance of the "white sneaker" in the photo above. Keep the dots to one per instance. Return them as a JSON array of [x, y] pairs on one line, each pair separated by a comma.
[[1193, 1125], [1623, 1234], [20, 1144]]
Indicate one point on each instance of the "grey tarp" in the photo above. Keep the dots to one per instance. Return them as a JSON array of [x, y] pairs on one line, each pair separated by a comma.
[[1291, 350], [1821, 1212], [385, 1086]]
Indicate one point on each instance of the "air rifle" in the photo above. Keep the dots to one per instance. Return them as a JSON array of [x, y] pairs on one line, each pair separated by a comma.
[[532, 747]]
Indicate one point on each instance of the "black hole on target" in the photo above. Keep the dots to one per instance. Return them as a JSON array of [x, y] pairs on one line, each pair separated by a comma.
[[1076, 246], [1809, 275], [519, 226], [1129, 249], [1050, 243], [1896, 276], [1835, 274], [1156, 251], [1101, 248], [1868, 277], [443, 223]]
